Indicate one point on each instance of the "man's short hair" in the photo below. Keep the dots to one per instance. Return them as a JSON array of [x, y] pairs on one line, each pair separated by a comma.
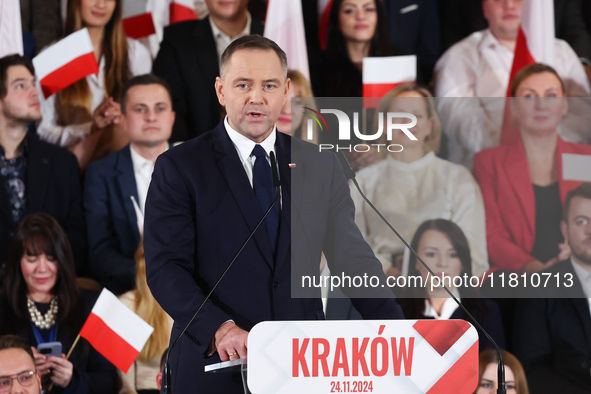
[[582, 191], [16, 342], [146, 79], [9, 61], [252, 42]]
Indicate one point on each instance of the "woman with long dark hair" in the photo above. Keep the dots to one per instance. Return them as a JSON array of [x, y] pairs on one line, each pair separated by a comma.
[[86, 111], [41, 302], [442, 245], [356, 29]]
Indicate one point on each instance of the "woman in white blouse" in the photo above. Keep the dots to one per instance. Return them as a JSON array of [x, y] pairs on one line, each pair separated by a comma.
[[82, 117], [414, 185]]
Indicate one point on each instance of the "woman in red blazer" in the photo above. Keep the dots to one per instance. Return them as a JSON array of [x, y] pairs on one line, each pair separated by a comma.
[[521, 187]]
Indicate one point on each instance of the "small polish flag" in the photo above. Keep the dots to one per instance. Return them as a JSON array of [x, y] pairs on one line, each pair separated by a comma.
[[137, 20], [11, 37], [182, 10], [382, 74], [292, 165], [575, 172], [65, 62], [285, 25], [324, 7], [115, 331]]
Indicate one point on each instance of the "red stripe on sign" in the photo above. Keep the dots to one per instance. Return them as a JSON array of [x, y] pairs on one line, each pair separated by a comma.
[[462, 377], [69, 73], [181, 13], [373, 92], [106, 341], [139, 26]]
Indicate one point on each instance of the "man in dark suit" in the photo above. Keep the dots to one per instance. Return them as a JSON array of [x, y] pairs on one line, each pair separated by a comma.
[[414, 26], [553, 331], [34, 175], [189, 61], [201, 207], [115, 187]]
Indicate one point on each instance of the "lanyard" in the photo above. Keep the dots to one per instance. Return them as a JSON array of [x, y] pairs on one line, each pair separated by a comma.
[[39, 338]]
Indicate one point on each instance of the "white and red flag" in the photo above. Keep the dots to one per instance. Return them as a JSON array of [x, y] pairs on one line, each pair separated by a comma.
[[65, 62], [285, 26], [137, 19], [535, 44], [115, 331], [182, 10], [11, 31], [324, 7], [382, 74]]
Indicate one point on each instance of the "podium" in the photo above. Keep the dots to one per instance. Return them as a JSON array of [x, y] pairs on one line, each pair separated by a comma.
[[365, 356]]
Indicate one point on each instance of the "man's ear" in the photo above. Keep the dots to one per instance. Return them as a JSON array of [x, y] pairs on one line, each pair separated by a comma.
[[219, 90], [563, 228]]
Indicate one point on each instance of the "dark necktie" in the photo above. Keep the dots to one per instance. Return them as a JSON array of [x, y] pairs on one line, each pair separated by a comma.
[[262, 181]]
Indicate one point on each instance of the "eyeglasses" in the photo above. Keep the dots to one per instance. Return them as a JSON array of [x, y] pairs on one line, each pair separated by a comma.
[[25, 378]]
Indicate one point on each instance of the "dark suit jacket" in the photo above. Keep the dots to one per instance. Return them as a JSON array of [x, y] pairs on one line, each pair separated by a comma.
[[113, 234], [552, 336], [52, 186], [510, 202], [416, 30], [188, 61], [201, 208], [460, 18], [92, 372]]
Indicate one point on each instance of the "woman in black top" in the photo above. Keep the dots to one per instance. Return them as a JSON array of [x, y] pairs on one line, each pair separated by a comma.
[[40, 302]]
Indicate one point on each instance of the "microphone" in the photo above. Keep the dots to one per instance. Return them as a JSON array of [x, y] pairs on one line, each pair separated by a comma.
[[350, 174], [166, 386], [275, 171]]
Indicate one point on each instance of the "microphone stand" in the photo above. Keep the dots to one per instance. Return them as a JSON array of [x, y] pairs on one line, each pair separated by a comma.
[[350, 174], [166, 377]]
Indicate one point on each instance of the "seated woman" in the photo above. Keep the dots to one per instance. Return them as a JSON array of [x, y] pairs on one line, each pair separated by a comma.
[[520, 181], [82, 117], [414, 185], [141, 377], [515, 380], [40, 302], [442, 245], [292, 113]]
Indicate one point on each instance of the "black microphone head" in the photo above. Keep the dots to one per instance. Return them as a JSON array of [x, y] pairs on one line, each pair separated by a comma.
[[275, 170], [166, 389], [349, 172]]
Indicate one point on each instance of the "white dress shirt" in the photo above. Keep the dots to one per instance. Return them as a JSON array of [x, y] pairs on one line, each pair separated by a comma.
[[140, 62], [142, 170], [222, 40], [585, 279], [448, 308], [408, 194], [479, 66], [244, 147]]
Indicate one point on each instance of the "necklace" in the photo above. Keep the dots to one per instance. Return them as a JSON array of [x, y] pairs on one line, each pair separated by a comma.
[[43, 322]]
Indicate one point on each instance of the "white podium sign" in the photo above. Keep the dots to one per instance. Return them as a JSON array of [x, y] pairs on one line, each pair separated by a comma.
[[377, 356]]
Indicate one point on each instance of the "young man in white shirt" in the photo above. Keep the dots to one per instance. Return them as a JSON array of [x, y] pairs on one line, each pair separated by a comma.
[[479, 66], [116, 187]]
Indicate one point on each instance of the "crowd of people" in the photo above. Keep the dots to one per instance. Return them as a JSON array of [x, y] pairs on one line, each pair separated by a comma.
[[76, 167]]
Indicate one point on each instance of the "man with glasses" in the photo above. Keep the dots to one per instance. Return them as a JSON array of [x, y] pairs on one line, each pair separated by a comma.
[[17, 367]]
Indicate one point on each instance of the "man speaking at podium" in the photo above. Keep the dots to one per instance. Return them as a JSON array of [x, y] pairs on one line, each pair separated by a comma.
[[206, 197]]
